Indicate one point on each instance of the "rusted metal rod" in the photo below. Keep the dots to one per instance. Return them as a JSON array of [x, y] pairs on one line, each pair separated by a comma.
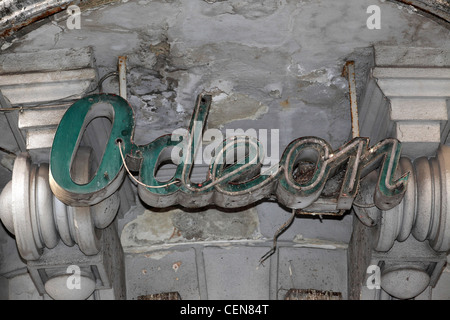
[[123, 76], [349, 71]]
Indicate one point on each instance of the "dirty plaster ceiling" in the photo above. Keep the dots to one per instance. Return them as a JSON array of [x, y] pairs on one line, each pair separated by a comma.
[[269, 64], [14, 15], [257, 57]]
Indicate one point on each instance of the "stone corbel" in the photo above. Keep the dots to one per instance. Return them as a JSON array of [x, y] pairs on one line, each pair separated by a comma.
[[406, 97]]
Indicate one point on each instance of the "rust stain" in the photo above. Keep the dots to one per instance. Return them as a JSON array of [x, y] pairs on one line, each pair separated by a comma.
[[176, 233], [122, 60], [345, 69], [176, 266], [16, 27], [17, 24], [285, 104]]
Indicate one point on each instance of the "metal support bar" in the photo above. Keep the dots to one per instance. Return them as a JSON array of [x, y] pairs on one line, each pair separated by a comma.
[[13, 120], [349, 71], [123, 76]]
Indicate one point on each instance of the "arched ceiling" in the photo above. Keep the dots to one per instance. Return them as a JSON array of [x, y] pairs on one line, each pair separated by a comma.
[[437, 9], [15, 15]]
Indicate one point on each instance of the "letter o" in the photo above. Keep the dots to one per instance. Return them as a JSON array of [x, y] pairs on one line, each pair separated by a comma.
[[110, 172]]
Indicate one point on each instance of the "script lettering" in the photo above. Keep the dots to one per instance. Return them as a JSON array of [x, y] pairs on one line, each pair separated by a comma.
[[235, 177]]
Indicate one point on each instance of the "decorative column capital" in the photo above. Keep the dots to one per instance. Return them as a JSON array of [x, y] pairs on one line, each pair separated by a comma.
[[407, 98]]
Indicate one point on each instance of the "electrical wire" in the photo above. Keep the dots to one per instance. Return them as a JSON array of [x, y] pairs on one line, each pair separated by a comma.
[[137, 181], [366, 206], [213, 183], [275, 237]]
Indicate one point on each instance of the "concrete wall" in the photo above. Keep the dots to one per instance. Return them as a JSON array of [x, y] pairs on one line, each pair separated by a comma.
[[268, 65]]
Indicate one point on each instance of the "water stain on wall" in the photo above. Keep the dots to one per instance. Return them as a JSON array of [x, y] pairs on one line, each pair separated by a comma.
[[177, 226], [235, 107]]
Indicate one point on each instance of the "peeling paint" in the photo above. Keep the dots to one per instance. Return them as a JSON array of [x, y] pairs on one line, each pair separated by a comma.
[[177, 226], [213, 224], [235, 107], [176, 266], [323, 75], [150, 227]]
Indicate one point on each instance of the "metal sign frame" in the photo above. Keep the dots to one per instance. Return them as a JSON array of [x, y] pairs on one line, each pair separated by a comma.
[[235, 185]]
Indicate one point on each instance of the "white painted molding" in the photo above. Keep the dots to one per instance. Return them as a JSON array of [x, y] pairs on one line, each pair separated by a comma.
[[406, 98], [40, 79]]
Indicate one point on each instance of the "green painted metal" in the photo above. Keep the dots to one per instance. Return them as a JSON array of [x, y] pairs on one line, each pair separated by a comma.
[[389, 191], [232, 185], [67, 140]]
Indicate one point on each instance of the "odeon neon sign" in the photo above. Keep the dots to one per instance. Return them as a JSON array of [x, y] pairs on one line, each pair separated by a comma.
[[226, 185]]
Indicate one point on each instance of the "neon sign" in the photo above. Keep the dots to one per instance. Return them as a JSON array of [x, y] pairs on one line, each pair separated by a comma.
[[226, 185]]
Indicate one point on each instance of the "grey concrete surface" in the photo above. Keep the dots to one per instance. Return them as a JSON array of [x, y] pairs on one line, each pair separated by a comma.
[[273, 65]]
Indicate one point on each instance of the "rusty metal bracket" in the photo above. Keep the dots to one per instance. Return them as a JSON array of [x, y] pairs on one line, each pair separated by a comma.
[[122, 66], [349, 72]]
